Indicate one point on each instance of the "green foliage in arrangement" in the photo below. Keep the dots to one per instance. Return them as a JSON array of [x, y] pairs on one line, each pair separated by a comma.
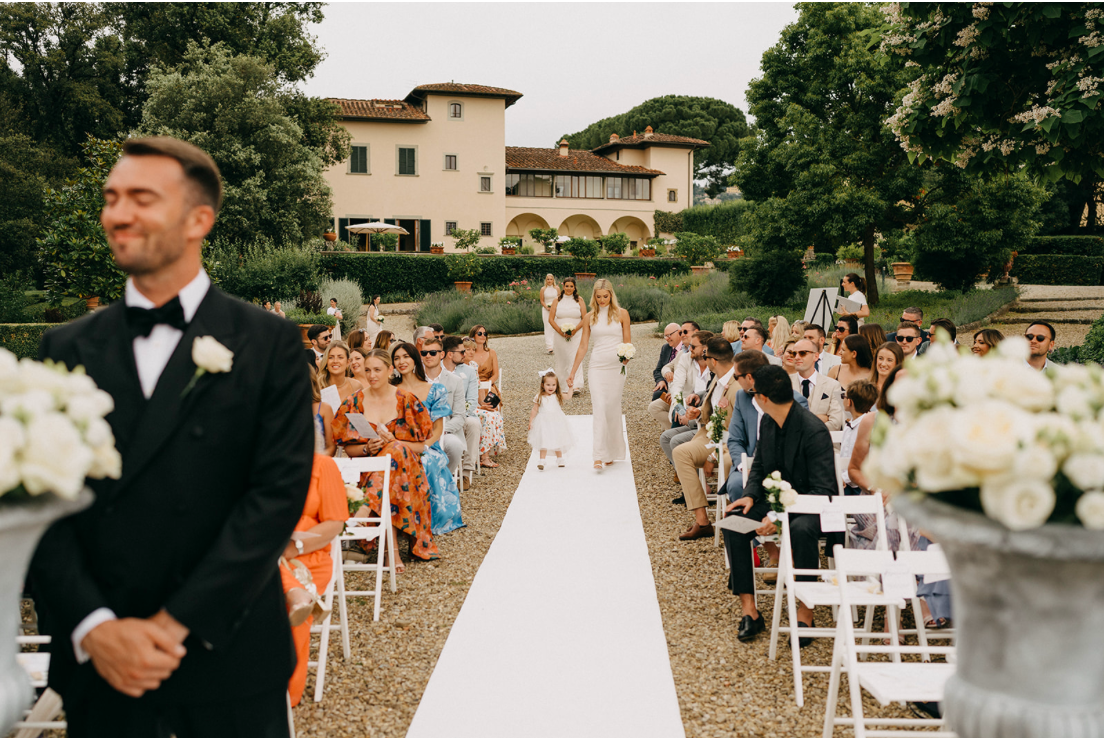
[[724, 222], [1067, 245], [262, 270], [1058, 269], [22, 339], [666, 222], [697, 249]]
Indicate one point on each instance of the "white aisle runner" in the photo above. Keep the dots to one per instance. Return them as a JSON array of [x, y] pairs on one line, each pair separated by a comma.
[[560, 634]]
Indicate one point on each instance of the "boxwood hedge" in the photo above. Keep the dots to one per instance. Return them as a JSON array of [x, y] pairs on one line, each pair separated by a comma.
[[22, 338], [1058, 269]]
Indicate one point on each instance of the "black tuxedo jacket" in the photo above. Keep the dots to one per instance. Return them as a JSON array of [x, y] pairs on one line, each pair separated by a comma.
[[664, 360], [801, 450], [212, 486]]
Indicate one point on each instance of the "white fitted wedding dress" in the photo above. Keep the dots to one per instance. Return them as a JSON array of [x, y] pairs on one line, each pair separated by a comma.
[[567, 311], [606, 385]]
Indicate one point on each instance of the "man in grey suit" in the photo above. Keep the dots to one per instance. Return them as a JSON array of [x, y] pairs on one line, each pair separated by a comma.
[[455, 355], [433, 353]]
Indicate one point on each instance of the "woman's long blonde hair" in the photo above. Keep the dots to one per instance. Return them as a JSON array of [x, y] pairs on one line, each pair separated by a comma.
[[325, 379], [731, 331], [614, 312], [782, 331]]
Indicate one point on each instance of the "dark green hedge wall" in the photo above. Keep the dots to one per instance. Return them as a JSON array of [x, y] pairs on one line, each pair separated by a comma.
[[666, 222], [723, 222], [22, 338], [1066, 245], [415, 275], [1058, 269]]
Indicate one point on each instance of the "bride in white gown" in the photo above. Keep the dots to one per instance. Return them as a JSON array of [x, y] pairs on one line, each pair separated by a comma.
[[608, 322]]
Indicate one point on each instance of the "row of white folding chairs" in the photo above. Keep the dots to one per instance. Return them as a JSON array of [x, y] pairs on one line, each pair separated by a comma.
[[43, 715]]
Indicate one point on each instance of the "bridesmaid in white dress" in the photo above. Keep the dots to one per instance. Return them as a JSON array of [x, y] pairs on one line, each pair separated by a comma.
[[608, 322], [567, 308], [548, 295], [373, 326]]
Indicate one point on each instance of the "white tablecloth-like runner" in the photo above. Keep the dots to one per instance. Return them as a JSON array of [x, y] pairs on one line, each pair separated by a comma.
[[560, 634]]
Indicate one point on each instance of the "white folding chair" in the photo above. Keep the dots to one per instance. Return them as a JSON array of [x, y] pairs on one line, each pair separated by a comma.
[[718, 499], [42, 716], [837, 439], [932, 564], [819, 593], [367, 529], [893, 681], [324, 628]]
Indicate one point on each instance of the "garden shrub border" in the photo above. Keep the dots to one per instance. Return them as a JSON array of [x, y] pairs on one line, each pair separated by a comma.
[[1058, 269], [1064, 245], [22, 339]]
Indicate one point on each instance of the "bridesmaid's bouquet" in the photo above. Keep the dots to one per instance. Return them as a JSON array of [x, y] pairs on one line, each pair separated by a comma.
[[625, 352], [568, 329]]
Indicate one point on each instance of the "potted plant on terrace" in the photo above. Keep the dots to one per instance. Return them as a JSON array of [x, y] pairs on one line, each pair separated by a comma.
[[465, 239], [546, 237], [851, 255], [697, 250], [615, 244], [437, 248], [1004, 466], [649, 249], [509, 245], [462, 269], [330, 236], [584, 251], [734, 252]]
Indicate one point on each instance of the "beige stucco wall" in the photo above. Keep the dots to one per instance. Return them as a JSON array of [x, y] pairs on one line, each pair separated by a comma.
[[580, 217], [433, 194]]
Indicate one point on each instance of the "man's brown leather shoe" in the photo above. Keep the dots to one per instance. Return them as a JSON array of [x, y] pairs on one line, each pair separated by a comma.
[[697, 531], [466, 481]]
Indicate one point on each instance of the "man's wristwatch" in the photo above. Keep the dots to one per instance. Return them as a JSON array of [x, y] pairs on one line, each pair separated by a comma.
[[298, 546]]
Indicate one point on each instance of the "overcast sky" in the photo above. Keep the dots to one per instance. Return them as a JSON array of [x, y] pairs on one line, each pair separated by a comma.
[[575, 63]]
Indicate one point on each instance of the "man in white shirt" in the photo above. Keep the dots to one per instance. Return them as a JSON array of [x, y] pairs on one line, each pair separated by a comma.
[[825, 360], [455, 357], [1040, 342], [452, 441], [697, 377], [677, 376], [754, 340], [823, 393]]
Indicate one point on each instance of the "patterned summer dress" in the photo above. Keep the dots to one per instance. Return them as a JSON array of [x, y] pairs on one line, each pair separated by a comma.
[[444, 498]]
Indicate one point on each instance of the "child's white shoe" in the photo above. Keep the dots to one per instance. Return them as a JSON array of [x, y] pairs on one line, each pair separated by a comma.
[[560, 463]]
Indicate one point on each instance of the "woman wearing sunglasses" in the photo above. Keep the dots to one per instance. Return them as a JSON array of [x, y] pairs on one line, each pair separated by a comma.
[[493, 436]]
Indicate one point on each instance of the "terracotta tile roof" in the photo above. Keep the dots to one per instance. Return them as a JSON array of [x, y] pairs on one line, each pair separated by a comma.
[[457, 88], [577, 160], [641, 140], [380, 110]]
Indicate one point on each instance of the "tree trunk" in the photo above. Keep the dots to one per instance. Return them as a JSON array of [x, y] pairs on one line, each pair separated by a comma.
[[868, 259]]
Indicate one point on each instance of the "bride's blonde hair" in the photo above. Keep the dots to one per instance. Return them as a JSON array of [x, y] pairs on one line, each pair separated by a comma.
[[614, 312]]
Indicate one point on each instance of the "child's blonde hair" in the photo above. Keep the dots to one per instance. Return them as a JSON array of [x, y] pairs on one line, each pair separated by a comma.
[[559, 390]]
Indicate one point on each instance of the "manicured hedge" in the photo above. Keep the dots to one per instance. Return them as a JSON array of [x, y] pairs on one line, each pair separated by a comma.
[[1066, 245], [417, 275], [1058, 269], [666, 222], [22, 338], [723, 222]]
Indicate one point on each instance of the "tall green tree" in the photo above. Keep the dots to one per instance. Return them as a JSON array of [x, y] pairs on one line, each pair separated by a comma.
[[27, 172], [820, 148], [705, 118]]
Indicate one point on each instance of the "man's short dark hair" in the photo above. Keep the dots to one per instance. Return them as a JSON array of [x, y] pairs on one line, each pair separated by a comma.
[[719, 348], [749, 360], [863, 394], [702, 336], [945, 324], [815, 327], [754, 321], [908, 324], [1048, 326], [913, 311], [691, 322], [437, 327], [773, 383], [758, 329], [451, 343], [199, 168], [315, 331]]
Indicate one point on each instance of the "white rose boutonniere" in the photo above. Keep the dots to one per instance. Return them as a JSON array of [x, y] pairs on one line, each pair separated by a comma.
[[209, 356]]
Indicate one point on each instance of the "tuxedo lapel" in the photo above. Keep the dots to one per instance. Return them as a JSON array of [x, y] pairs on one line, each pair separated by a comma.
[[107, 354]]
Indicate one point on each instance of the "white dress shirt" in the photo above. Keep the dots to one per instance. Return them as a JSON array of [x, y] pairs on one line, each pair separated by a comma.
[[719, 387], [701, 377], [151, 355], [812, 383]]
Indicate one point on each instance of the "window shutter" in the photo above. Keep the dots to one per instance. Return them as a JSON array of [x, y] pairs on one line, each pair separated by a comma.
[[342, 234], [426, 235]]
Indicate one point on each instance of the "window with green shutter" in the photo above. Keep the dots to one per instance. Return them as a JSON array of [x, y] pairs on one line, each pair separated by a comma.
[[358, 160], [407, 161]]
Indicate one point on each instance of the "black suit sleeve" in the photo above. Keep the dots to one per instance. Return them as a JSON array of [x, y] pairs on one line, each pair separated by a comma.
[[820, 459], [664, 357], [215, 599], [757, 473]]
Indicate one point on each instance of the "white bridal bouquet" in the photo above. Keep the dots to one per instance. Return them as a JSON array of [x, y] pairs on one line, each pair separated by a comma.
[[1026, 446], [625, 352], [52, 429], [568, 328]]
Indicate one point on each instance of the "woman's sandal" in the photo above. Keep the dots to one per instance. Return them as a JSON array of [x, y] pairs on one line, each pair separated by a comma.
[[488, 464]]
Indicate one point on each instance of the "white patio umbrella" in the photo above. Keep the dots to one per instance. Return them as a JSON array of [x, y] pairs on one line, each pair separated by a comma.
[[377, 227]]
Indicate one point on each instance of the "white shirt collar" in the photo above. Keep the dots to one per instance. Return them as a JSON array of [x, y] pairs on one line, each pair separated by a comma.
[[700, 370], [1045, 366], [812, 378], [727, 377], [191, 295]]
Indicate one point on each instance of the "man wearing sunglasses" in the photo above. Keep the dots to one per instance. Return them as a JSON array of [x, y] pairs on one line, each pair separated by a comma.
[[750, 322], [676, 374], [452, 440], [319, 337], [909, 338], [672, 335], [1040, 342], [455, 358], [915, 316], [823, 393]]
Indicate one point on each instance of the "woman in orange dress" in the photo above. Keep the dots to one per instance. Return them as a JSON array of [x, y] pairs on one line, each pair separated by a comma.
[[403, 424], [324, 516]]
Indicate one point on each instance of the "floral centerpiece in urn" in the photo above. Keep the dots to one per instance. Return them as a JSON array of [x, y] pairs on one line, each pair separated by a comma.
[[52, 437], [1003, 465]]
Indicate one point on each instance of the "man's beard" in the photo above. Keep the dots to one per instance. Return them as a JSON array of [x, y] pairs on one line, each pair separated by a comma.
[[157, 253]]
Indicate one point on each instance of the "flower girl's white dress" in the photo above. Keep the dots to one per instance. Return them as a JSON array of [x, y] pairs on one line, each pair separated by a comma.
[[550, 430]]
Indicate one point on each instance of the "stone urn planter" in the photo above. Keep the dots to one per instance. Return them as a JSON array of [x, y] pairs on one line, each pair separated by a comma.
[[585, 275], [21, 526], [92, 302], [647, 252], [436, 249], [902, 272], [303, 328], [699, 270], [330, 236], [463, 286], [1029, 626]]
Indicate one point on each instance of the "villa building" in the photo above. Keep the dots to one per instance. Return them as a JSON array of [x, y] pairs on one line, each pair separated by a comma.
[[437, 161]]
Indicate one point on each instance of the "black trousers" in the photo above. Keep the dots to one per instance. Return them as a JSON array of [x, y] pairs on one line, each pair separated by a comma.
[[111, 714], [804, 542]]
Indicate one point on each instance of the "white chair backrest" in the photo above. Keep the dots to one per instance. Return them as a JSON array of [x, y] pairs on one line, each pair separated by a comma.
[[852, 504], [351, 469], [859, 562], [745, 465], [931, 561]]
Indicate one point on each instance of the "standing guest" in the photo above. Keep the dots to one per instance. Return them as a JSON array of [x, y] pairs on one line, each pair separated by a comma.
[[183, 620], [383, 340], [779, 333], [278, 310], [823, 393], [334, 370], [567, 308], [846, 325], [444, 498], [355, 339], [753, 341], [1040, 337], [267, 306], [888, 358], [375, 321], [875, 336], [306, 565], [492, 439], [335, 311], [825, 360], [319, 337], [323, 420], [548, 295], [855, 286], [856, 361], [403, 425], [795, 443], [985, 340], [456, 362], [908, 337], [433, 357]]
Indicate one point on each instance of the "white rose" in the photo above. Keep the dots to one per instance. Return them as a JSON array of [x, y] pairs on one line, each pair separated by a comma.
[[55, 458], [1019, 504], [106, 462], [1090, 509], [29, 404], [212, 356], [12, 438], [85, 407], [354, 493], [9, 370], [1018, 383], [784, 485], [36, 375], [1058, 433], [776, 475], [881, 473], [788, 497], [80, 384], [1086, 471], [986, 438], [98, 433], [1090, 437], [974, 384], [1035, 462], [1076, 402], [909, 396], [930, 451], [1013, 347]]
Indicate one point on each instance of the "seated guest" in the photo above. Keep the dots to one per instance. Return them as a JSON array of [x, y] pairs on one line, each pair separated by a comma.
[[732, 333], [420, 334], [913, 315], [754, 340], [685, 422], [334, 370], [856, 361], [667, 352], [383, 340], [888, 357], [356, 364], [433, 356], [456, 362], [355, 339], [946, 325], [279, 310], [676, 374], [874, 334], [403, 424], [797, 330], [750, 322], [306, 565], [823, 393], [859, 400], [795, 443], [692, 455], [825, 360], [1040, 337], [779, 333], [985, 340], [788, 357], [438, 331], [846, 325], [323, 420], [319, 337], [908, 337], [444, 498], [493, 437]]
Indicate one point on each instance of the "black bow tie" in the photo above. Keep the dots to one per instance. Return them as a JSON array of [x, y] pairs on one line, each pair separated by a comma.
[[141, 321]]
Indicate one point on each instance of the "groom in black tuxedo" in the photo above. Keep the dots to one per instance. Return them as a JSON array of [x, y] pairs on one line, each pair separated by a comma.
[[163, 598]]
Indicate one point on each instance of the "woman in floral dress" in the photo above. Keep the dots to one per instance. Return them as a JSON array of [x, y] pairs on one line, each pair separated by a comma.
[[403, 425], [493, 437]]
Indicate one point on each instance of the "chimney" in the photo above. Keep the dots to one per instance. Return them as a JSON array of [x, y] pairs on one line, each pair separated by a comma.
[[614, 137], [563, 147], [648, 132]]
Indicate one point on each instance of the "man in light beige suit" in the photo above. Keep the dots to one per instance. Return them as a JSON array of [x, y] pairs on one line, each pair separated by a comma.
[[692, 455], [824, 394]]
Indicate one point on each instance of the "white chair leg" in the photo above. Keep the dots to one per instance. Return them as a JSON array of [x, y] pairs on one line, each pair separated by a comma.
[[833, 691], [795, 648], [291, 718], [343, 613]]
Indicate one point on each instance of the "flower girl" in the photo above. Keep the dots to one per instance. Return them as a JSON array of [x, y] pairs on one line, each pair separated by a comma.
[[547, 423]]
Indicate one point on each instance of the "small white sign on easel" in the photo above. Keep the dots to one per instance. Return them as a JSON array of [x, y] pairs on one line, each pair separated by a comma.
[[820, 307]]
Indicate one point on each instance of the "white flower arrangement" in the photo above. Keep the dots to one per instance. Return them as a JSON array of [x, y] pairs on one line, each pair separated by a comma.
[[625, 352], [568, 328], [52, 429], [1021, 440], [780, 493]]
